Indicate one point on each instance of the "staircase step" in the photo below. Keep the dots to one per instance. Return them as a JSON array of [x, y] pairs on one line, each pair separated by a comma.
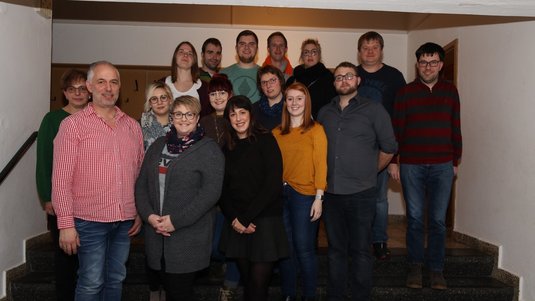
[[467, 272], [458, 262], [39, 286]]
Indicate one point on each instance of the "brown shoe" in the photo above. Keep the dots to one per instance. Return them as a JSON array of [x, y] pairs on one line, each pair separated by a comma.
[[437, 281], [414, 278]]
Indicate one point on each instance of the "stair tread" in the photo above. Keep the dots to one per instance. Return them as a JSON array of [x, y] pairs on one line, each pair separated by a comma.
[[394, 282]]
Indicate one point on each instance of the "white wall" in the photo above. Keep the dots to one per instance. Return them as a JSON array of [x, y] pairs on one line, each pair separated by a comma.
[[25, 53], [495, 196], [153, 44]]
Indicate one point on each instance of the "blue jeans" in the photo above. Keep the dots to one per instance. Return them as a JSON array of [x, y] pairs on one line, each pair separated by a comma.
[[302, 234], [348, 221], [427, 186], [380, 223], [102, 256], [232, 274]]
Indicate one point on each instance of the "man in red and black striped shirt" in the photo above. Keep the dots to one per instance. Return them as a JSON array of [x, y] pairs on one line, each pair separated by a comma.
[[427, 124]]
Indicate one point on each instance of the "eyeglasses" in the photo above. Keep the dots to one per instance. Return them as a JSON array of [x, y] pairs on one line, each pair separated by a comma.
[[347, 76], [81, 89], [162, 98], [270, 81], [221, 94], [312, 52], [185, 53], [424, 64], [179, 115]]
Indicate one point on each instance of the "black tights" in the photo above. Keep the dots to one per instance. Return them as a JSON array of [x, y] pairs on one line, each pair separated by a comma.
[[255, 277]]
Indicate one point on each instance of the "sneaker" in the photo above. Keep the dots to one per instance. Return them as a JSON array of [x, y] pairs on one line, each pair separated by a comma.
[[437, 281], [381, 251], [227, 294], [414, 278]]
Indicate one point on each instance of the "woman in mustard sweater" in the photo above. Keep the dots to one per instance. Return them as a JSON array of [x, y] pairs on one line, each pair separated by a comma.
[[303, 145]]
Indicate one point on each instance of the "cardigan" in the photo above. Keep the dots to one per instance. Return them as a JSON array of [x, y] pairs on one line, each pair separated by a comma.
[[192, 188], [253, 180]]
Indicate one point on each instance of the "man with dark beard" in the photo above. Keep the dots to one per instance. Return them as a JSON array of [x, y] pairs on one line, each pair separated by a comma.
[[361, 143], [211, 58], [242, 75]]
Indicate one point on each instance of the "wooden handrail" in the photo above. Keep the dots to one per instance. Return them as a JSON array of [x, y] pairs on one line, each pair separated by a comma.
[[17, 157]]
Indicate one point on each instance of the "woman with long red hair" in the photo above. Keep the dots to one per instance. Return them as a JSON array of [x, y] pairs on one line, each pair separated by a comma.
[[303, 145]]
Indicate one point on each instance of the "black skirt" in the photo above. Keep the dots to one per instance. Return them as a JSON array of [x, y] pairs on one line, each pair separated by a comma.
[[267, 244]]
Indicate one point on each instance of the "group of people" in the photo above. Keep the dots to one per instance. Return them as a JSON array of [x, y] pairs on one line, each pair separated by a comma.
[[241, 163]]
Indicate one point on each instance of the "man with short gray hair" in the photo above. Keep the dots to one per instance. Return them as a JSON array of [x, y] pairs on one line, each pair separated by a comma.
[[97, 157]]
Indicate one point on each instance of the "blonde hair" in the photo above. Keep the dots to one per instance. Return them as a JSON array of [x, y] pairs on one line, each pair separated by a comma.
[[189, 102], [150, 89], [307, 42]]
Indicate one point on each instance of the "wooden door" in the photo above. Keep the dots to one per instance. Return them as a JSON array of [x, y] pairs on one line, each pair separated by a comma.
[[132, 97], [449, 72]]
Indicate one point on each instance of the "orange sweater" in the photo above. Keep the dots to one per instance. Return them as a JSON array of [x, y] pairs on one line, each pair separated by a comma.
[[304, 158]]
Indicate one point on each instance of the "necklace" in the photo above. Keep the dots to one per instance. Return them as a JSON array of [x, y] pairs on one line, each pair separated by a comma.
[[218, 134]]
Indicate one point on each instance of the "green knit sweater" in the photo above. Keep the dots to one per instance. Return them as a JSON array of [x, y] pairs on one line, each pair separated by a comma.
[[45, 148]]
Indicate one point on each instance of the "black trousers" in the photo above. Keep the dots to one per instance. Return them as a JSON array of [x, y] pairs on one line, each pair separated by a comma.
[[65, 266]]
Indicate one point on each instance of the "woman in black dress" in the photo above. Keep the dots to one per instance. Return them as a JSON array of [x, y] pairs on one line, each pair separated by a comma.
[[251, 200]]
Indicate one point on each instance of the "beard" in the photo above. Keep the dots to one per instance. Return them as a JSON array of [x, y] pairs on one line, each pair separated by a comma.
[[246, 60], [210, 65], [346, 90]]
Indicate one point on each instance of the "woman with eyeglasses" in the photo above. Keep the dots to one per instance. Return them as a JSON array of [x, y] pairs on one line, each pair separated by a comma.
[[185, 76], [268, 110], [314, 75], [155, 118], [254, 233], [303, 145], [155, 123], [176, 192], [217, 128]]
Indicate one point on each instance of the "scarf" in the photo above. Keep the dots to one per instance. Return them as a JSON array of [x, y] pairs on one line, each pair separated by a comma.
[[176, 145], [288, 70], [274, 111]]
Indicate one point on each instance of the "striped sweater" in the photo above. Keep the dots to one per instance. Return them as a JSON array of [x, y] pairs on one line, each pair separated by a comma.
[[427, 123]]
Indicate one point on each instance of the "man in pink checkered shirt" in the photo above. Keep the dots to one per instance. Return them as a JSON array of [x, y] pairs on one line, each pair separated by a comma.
[[97, 156]]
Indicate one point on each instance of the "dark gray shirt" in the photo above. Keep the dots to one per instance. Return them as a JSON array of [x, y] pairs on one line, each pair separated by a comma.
[[355, 136]]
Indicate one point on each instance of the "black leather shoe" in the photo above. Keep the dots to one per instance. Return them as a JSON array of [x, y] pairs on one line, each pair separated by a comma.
[[381, 251]]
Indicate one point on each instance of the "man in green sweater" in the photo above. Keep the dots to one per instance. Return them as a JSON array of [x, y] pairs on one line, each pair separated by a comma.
[[76, 96]]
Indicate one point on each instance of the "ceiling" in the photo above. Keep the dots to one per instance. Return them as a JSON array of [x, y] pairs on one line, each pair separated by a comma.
[[374, 14]]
